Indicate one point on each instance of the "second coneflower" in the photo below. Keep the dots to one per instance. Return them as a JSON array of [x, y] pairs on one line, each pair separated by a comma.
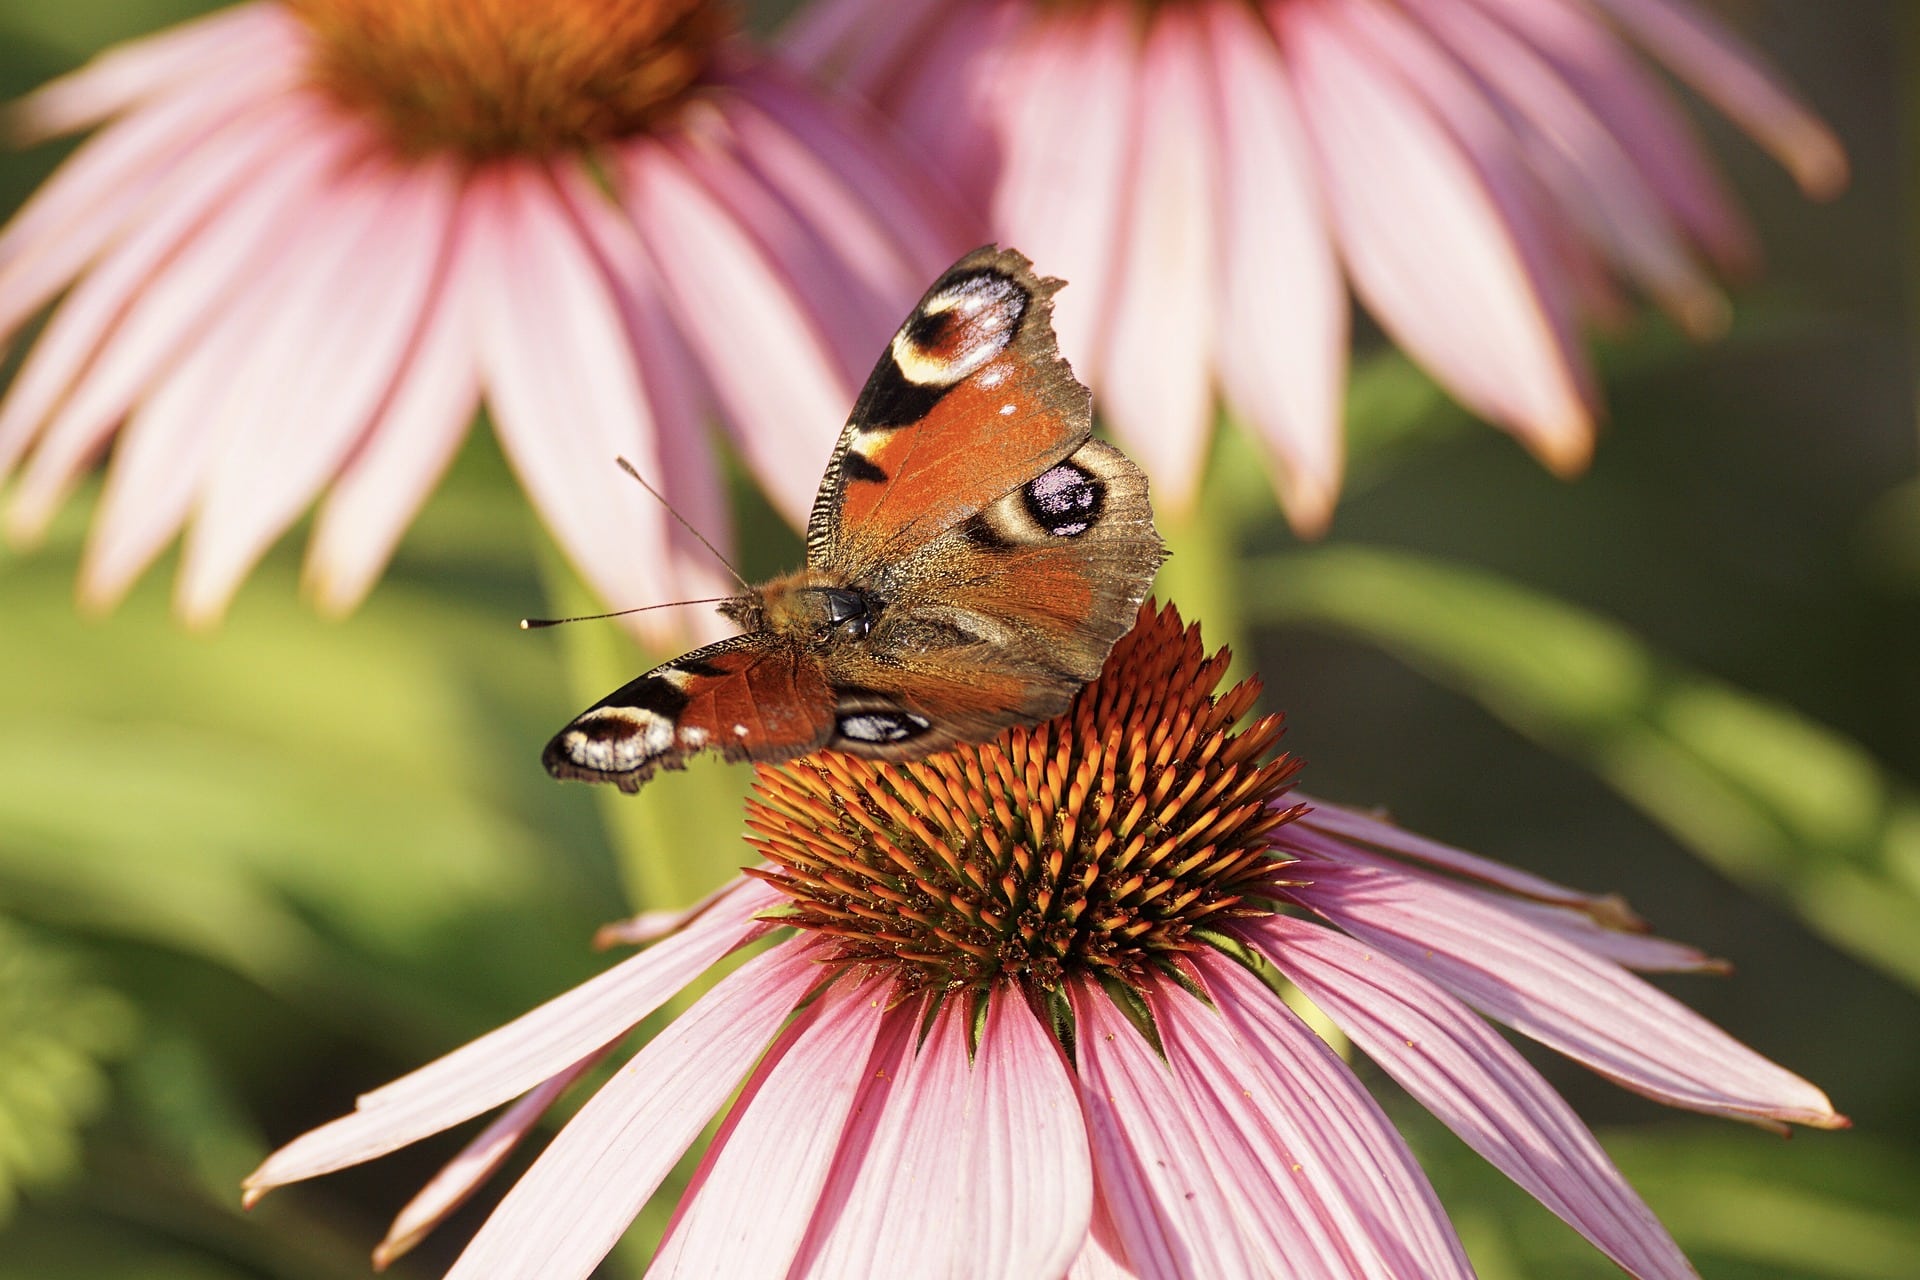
[[1019, 1018], [309, 238]]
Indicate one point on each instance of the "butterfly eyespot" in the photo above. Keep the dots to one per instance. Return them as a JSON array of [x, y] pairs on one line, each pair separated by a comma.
[[960, 328], [616, 739], [1065, 501], [882, 726]]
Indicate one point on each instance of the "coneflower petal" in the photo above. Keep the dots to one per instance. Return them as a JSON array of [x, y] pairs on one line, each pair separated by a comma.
[[1563, 996], [631, 1133], [1167, 1212], [750, 1204], [321, 368], [1460, 1069], [1369, 1189], [1283, 332], [1157, 366], [519, 1056]]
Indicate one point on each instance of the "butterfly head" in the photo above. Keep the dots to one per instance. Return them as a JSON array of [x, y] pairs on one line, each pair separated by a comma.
[[809, 609]]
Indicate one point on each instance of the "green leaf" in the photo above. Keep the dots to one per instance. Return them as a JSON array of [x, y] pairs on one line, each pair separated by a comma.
[[58, 1031], [1782, 804]]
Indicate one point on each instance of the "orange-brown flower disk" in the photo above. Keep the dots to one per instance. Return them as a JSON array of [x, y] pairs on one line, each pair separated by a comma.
[[493, 77], [1095, 842]]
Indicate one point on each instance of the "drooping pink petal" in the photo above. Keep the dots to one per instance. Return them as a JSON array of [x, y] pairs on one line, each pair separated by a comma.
[[149, 293], [1736, 79], [1339, 820], [973, 1169], [853, 322], [919, 215], [767, 363], [1642, 114], [1257, 1066], [1283, 325], [944, 102], [554, 351], [102, 189], [320, 369], [1029, 1193], [1465, 287], [1640, 951], [1567, 998], [1597, 185], [533, 1048], [1156, 372], [1056, 198], [753, 1198], [629, 1135], [1166, 1208], [1100, 1256], [1472, 1079], [412, 441], [680, 403], [858, 43], [478, 1161], [169, 444], [196, 51]]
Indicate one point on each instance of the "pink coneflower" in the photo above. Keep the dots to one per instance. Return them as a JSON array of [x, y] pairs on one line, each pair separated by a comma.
[[309, 238], [1017, 1018], [1213, 174]]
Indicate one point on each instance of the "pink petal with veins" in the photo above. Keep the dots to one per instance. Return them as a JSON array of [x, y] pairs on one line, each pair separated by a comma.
[[214, 194], [1339, 820], [1642, 114], [948, 100], [1596, 185], [682, 406], [170, 443], [972, 1169], [1156, 369], [1308, 1124], [1731, 75], [629, 1135], [1460, 286], [1639, 951], [555, 351], [412, 441], [1283, 326], [509, 1061], [478, 1161], [750, 1204], [100, 193], [1464, 1072], [319, 370], [1057, 195], [1168, 1214], [1563, 996], [909, 201], [199, 51], [770, 367], [859, 42]]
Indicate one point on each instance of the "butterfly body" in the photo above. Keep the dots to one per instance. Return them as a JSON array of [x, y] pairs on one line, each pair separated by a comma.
[[971, 558]]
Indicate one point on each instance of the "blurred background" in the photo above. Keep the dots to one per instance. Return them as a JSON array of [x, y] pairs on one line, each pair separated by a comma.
[[246, 875]]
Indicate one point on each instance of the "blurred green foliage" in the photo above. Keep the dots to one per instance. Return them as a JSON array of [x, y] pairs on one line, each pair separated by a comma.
[[247, 875]]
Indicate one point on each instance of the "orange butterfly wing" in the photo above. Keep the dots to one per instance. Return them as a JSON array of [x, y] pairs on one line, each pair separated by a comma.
[[970, 400]]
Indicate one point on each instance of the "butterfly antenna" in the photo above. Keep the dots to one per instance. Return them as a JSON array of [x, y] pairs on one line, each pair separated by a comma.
[[534, 624], [727, 564]]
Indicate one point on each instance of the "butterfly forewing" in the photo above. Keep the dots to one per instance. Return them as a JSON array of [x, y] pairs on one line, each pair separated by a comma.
[[749, 698], [970, 400]]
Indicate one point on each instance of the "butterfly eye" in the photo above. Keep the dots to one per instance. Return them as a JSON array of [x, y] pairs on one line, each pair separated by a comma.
[[847, 613]]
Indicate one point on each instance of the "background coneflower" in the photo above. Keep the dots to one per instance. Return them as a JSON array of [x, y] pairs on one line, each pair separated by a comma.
[[1212, 175], [1021, 1016], [310, 238]]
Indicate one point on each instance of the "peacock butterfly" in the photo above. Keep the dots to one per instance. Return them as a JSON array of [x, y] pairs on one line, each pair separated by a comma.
[[972, 556]]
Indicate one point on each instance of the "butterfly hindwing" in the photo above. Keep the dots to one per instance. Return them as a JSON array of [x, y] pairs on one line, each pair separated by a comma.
[[1003, 617], [970, 400], [751, 697]]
